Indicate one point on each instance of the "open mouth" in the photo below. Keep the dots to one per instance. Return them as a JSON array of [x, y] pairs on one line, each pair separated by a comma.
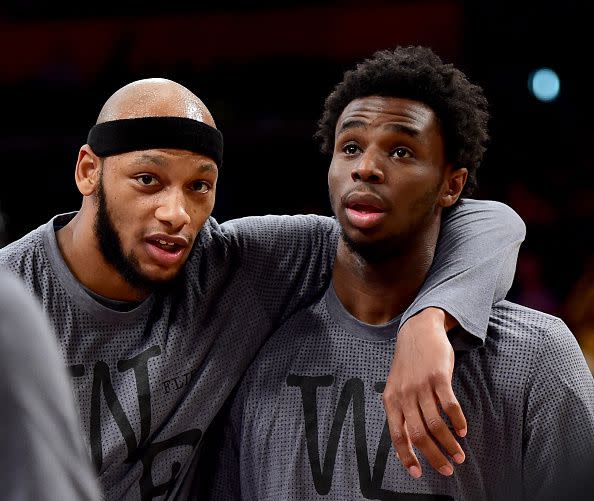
[[165, 245], [167, 250], [364, 216], [365, 209]]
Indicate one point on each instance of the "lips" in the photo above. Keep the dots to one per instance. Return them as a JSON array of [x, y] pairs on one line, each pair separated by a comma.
[[166, 250], [365, 199], [168, 242], [364, 210]]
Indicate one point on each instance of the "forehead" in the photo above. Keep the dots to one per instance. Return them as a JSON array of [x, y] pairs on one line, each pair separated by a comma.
[[377, 111]]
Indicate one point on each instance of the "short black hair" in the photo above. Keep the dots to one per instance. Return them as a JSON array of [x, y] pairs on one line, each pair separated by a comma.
[[416, 72]]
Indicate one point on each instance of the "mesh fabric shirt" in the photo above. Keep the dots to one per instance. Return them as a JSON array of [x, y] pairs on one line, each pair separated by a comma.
[[149, 379], [308, 423]]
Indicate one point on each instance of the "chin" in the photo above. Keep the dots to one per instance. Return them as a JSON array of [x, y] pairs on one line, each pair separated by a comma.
[[151, 276], [372, 248], [162, 277]]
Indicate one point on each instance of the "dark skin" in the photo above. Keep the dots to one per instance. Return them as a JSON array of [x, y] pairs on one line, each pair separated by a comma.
[[389, 181], [169, 194], [150, 195]]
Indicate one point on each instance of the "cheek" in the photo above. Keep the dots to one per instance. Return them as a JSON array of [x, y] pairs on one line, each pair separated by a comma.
[[332, 190], [413, 178], [124, 212], [334, 181], [201, 211]]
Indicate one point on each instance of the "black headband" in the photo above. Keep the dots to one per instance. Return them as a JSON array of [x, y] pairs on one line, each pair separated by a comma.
[[132, 134]]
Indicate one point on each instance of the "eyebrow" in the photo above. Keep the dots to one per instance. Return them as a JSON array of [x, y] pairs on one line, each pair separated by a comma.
[[404, 129], [161, 161], [207, 167], [355, 124], [146, 158], [351, 124]]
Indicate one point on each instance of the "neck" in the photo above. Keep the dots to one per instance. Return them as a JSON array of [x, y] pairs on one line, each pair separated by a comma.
[[377, 292], [80, 249]]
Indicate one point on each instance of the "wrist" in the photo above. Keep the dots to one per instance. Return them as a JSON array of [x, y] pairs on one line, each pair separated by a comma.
[[438, 317]]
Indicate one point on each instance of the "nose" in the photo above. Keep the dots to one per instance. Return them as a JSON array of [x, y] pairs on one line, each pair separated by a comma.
[[367, 169], [172, 210]]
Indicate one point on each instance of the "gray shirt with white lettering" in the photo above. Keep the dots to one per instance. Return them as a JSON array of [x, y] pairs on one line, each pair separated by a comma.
[[148, 381], [308, 422]]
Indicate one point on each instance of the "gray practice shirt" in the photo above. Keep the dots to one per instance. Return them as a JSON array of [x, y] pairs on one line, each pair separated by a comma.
[[42, 456], [308, 423], [149, 381]]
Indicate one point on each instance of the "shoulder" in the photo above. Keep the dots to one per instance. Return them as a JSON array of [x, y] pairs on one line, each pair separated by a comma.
[[25, 244], [526, 321], [38, 415], [491, 213], [213, 231], [518, 335], [12, 296], [30, 257], [263, 236], [485, 208], [544, 340], [14, 255], [280, 223]]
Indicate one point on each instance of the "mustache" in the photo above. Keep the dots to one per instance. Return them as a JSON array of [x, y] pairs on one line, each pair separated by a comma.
[[357, 194]]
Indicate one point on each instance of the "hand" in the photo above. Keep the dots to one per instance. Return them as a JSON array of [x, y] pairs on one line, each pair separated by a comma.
[[419, 381]]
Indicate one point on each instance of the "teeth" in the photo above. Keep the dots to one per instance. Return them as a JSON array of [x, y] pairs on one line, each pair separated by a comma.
[[163, 242]]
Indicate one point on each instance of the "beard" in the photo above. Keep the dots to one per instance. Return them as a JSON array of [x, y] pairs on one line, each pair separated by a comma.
[[111, 248], [374, 252], [381, 251]]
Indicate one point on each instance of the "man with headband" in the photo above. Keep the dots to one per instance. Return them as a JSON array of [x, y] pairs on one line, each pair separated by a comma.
[[159, 309]]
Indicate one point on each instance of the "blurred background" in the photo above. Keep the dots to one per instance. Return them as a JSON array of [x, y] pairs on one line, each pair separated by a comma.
[[264, 68]]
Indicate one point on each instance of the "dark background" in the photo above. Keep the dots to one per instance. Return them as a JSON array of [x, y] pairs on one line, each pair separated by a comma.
[[264, 68]]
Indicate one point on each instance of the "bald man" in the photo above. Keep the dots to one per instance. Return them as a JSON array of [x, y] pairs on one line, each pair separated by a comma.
[[159, 309]]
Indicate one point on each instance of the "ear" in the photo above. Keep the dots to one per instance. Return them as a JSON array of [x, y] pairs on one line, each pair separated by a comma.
[[453, 184], [88, 167]]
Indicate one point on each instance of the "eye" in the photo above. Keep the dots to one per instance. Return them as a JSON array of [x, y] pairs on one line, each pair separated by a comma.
[[200, 187], [147, 180], [350, 148], [401, 152]]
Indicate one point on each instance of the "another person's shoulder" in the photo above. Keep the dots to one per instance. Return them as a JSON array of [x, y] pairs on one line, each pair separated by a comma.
[[22, 320], [42, 453], [13, 298], [527, 322]]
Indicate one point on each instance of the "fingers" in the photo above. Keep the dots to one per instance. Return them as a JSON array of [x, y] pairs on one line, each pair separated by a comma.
[[422, 439], [419, 423], [402, 443], [450, 405], [417, 390], [438, 430]]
